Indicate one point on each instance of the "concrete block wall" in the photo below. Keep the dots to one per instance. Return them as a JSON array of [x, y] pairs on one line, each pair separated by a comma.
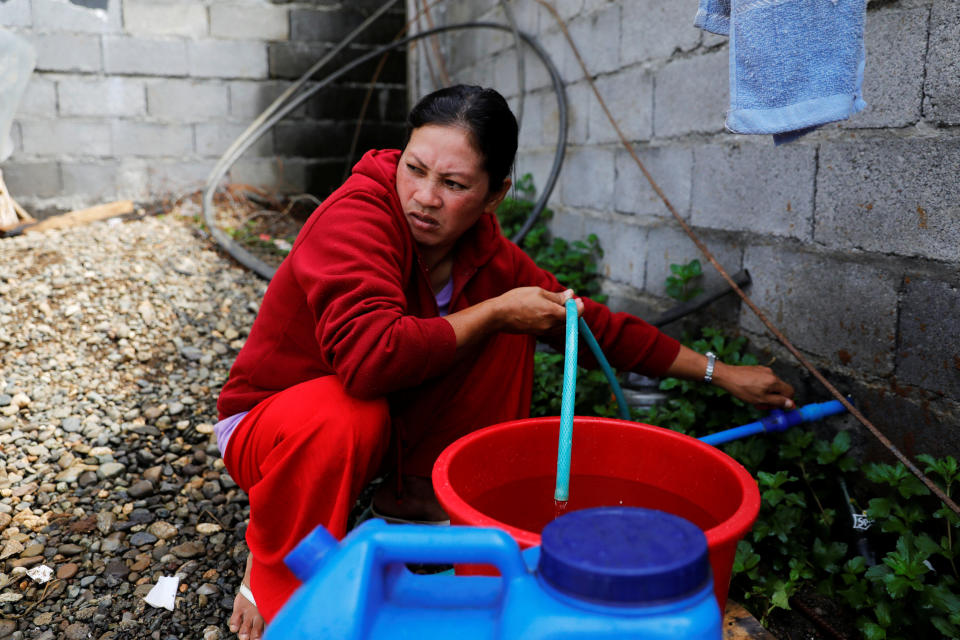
[[851, 234], [138, 99]]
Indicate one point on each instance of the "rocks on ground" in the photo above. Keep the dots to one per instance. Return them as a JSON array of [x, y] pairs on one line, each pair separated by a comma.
[[114, 342]]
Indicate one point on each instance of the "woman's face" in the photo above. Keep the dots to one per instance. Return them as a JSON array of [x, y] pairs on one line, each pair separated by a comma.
[[443, 186]]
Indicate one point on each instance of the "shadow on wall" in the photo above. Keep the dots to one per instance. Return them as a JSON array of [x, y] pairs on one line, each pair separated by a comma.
[[91, 4]]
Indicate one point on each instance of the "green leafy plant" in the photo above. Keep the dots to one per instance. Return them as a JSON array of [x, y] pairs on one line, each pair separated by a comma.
[[573, 263], [682, 284]]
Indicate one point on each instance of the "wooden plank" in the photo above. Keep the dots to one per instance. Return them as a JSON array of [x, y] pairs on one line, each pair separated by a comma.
[[11, 213], [738, 624], [83, 216]]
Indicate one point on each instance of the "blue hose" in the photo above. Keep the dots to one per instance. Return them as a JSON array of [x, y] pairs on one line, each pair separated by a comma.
[[777, 420], [567, 400]]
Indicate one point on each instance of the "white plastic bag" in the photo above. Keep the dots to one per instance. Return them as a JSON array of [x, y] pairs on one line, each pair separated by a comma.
[[17, 59]]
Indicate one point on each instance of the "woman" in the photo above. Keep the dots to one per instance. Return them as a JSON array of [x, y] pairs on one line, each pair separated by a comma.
[[401, 320]]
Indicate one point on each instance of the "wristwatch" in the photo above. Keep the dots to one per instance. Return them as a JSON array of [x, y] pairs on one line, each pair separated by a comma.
[[711, 363]]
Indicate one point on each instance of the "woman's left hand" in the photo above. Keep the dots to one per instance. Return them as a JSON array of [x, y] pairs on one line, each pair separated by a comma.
[[756, 385]]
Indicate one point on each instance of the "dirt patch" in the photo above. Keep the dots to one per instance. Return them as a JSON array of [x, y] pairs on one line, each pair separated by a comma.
[[263, 223]]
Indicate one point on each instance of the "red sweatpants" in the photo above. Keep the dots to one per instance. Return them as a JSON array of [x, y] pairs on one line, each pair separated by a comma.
[[302, 455]]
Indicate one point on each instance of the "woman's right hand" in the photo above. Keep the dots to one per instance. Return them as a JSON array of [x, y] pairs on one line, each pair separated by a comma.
[[529, 310], [533, 310]]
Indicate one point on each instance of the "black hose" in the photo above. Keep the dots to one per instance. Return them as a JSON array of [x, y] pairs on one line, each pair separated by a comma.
[[742, 278], [264, 270]]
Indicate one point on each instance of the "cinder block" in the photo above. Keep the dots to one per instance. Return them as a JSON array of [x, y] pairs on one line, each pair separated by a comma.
[[587, 178], [227, 59], [914, 420], [40, 98], [213, 138], [893, 84], [188, 100], [101, 97], [123, 54], [332, 24], [249, 98], [895, 195], [929, 353], [246, 21], [624, 245], [653, 29], [455, 12], [15, 13], [312, 139], [337, 102], [590, 6], [668, 245], [150, 18], [284, 176], [628, 95], [840, 310], [67, 51], [531, 126], [568, 9], [713, 40], [578, 115], [132, 180], [66, 136], [506, 78], [748, 187], [96, 182], [57, 15], [526, 15], [568, 223], [671, 167], [32, 179], [943, 64], [481, 74], [463, 48], [538, 76], [373, 135], [132, 138], [538, 165], [596, 36], [691, 95], [177, 177]]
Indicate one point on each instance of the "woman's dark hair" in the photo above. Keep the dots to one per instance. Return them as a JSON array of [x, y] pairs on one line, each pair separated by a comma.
[[482, 112]]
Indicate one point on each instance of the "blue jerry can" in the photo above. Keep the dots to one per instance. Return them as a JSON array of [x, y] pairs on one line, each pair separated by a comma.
[[609, 572]]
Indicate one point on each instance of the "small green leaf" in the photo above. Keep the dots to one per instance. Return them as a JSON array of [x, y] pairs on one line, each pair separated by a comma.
[[781, 595], [873, 631], [882, 611]]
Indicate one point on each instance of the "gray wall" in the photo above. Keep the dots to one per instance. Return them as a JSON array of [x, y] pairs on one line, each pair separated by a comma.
[[138, 98], [851, 234]]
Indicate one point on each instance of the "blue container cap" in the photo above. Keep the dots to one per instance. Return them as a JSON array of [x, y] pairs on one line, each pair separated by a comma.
[[623, 555]]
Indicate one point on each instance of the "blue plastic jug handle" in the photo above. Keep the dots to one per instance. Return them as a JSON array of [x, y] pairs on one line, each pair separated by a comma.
[[441, 545]]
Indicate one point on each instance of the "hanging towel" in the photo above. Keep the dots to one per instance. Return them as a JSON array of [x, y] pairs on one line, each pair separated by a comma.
[[794, 64]]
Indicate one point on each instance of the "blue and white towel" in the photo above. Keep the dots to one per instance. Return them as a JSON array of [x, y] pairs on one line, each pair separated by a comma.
[[794, 64]]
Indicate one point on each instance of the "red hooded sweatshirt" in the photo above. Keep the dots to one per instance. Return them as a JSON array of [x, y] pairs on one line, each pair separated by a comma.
[[353, 300]]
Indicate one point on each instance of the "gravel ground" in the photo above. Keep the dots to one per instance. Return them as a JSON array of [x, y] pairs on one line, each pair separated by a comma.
[[115, 339]]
